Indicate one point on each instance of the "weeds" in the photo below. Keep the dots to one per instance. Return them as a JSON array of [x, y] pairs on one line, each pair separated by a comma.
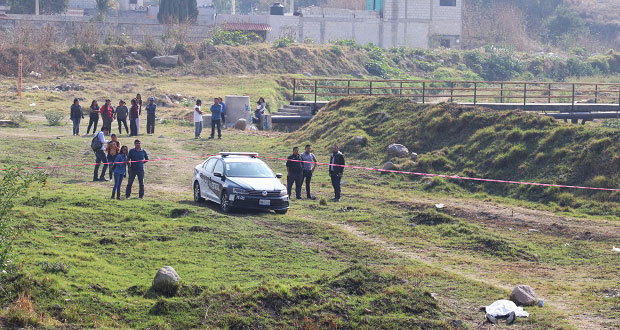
[[54, 118]]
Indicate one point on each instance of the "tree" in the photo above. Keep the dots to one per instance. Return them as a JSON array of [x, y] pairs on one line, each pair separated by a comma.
[[46, 7], [13, 184], [177, 11], [103, 6]]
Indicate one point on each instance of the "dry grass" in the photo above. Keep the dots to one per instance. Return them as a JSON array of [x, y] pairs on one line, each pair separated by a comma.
[[23, 313], [501, 23]]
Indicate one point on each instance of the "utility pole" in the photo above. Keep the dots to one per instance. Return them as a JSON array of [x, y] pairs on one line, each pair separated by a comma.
[[232, 9], [19, 75], [292, 6], [36, 7]]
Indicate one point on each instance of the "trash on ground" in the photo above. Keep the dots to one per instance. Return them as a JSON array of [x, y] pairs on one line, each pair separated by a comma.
[[439, 206], [615, 249], [504, 307]]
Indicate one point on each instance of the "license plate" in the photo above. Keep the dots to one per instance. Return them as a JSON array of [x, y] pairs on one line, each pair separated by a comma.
[[264, 202]]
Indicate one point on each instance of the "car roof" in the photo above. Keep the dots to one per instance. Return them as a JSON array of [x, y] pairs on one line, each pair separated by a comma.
[[238, 159]]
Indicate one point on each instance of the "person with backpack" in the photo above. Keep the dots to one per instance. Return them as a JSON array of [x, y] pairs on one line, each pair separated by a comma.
[[93, 116], [136, 158], [134, 114], [98, 145], [151, 107], [76, 116], [107, 115], [120, 171], [121, 116], [112, 149]]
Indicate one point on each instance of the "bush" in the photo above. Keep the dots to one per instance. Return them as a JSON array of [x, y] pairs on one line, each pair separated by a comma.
[[232, 38], [54, 118], [283, 42], [336, 50], [564, 22], [56, 267]]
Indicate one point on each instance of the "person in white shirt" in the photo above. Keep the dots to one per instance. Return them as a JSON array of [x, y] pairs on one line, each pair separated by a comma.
[[198, 119], [100, 156]]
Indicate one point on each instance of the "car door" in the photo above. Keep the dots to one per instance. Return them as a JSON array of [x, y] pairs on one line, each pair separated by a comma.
[[217, 183], [205, 177]]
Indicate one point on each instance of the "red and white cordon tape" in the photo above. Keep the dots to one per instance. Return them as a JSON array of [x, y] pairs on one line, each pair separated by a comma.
[[352, 167]]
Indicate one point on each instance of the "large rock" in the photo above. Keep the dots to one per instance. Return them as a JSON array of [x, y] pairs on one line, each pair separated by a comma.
[[389, 166], [524, 295], [414, 156], [166, 279], [360, 140], [241, 124], [397, 150], [169, 60]]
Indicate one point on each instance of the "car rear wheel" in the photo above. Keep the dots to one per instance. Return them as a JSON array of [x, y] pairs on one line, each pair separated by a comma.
[[225, 202], [281, 211], [197, 197]]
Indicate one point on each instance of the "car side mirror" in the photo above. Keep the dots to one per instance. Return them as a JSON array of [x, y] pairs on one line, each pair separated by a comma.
[[279, 175]]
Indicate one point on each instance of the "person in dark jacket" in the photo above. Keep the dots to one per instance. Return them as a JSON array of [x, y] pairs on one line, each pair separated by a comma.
[[151, 107], [137, 117], [134, 113], [107, 115], [121, 116], [93, 117], [76, 116], [112, 150], [294, 169], [216, 118], [120, 171], [335, 172], [137, 156]]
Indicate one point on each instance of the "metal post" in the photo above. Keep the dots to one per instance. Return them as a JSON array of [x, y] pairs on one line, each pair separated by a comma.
[[573, 104], [549, 94], [452, 92], [475, 92], [595, 93], [401, 88], [294, 87], [501, 93], [524, 95], [423, 91], [371, 88], [315, 86], [348, 87], [19, 75]]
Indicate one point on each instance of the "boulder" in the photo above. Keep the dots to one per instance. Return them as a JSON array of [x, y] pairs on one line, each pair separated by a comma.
[[360, 140], [524, 295], [414, 156], [307, 74], [389, 166], [139, 68], [241, 124], [358, 74], [165, 279], [169, 60], [397, 150]]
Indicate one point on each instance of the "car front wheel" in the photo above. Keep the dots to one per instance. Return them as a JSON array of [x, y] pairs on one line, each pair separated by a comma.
[[197, 197], [225, 202]]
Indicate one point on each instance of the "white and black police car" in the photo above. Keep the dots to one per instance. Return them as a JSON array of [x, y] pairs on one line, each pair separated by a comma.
[[239, 180]]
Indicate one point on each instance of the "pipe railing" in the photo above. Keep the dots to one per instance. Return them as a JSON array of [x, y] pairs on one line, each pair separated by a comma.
[[476, 92]]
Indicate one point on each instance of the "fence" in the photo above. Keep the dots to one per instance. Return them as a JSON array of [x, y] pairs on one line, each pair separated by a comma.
[[476, 92]]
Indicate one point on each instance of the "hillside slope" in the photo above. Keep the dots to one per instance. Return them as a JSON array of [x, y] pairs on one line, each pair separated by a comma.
[[451, 139]]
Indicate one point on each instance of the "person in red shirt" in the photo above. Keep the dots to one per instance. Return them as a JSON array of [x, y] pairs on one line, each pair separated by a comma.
[[107, 114]]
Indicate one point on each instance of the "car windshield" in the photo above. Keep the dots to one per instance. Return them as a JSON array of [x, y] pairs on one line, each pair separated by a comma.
[[248, 170]]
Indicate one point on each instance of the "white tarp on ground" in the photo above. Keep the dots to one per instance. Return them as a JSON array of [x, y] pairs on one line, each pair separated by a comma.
[[505, 307]]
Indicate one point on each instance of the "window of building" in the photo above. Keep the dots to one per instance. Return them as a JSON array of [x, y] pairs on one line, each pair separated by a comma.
[[447, 3], [445, 43]]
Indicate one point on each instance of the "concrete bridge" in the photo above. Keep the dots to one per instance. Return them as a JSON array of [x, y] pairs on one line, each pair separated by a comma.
[[560, 100]]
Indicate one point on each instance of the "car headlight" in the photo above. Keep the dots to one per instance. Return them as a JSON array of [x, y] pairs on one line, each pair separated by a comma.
[[283, 192], [240, 191]]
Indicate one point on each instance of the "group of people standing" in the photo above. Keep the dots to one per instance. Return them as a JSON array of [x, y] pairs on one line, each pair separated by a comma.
[[121, 114], [300, 168], [218, 117], [120, 161]]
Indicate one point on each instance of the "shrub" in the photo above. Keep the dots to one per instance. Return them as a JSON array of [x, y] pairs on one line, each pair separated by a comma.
[[336, 50], [54, 118], [232, 38], [564, 22], [56, 267], [283, 42]]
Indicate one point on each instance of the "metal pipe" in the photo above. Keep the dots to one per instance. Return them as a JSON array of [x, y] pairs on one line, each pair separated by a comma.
[[549, 95], [501, 93], [315, 91], [423, 92], [294, 88], [452, 92], [371, 88], [595, 93], [476, 92], [573, 104], [524, 95]]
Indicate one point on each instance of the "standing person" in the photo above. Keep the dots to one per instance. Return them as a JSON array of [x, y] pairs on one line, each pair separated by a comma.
[[93, 117], [198, 119], [151, 107], [139, 103], [76, 116], [121, 116], [335, 172], [98, 145], [309, 166], [120, 171], [294, 169], [107, 115], [137, 157], [223, 111], [112, 149], [216, 118], [134, 112]]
